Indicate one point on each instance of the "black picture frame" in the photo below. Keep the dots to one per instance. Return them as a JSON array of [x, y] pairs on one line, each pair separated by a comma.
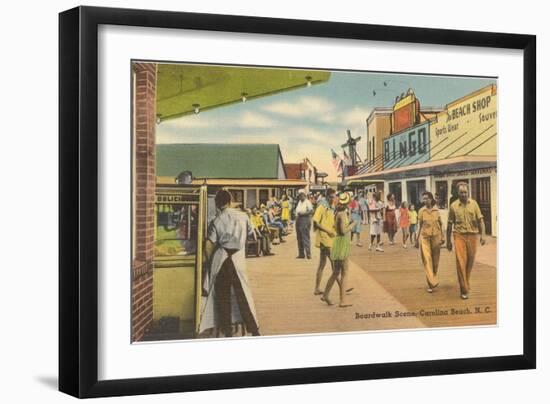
[[78, 195]]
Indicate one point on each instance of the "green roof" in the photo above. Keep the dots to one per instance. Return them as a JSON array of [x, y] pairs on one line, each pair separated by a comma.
[[228, 161]]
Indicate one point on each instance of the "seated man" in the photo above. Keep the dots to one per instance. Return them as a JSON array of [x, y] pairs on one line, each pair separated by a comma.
[[274, 231], [273, 221], [252, 237], [261, 231]]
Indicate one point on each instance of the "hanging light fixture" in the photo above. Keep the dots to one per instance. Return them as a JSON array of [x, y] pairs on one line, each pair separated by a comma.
[[243, 97], [196, 108], [158, 119], [308, 79]]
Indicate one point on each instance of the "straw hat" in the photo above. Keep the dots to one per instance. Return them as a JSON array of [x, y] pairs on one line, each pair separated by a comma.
[[344, 198]]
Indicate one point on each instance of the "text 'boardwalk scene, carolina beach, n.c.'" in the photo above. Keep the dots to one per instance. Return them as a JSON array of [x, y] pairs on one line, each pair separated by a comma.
[[282, 201]]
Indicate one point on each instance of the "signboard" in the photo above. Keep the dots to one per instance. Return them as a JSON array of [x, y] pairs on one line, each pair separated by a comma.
[[174, 198], [467, 127], [410, 146], [405, 113]]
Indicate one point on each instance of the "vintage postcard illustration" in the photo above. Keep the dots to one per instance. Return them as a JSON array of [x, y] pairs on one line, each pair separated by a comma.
[[282, 201]]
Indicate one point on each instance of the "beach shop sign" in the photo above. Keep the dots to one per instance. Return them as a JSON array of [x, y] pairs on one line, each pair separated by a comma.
[[407, 147], [467, 126]]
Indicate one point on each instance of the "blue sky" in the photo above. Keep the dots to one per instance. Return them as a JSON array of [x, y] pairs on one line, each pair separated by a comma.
[[308, 122]]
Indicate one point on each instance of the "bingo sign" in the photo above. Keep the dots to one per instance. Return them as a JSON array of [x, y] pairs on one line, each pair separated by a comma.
[[410, 146]]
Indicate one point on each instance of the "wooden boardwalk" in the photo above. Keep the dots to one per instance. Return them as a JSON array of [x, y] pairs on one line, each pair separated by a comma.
[[389, 291]]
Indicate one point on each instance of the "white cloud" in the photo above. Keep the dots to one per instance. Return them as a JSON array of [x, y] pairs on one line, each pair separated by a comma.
[[355, 117], [188, 122], [244, 120], [254, 120], [315, 108]]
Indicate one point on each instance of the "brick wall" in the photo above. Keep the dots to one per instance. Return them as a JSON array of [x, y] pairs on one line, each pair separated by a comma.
[[144, 190]]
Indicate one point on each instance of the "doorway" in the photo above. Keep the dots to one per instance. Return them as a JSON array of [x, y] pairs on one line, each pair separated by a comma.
[[395, 189], [481, 193], [414, 192]]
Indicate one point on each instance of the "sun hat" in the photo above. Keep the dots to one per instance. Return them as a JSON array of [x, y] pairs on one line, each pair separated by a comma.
[[344, 198]]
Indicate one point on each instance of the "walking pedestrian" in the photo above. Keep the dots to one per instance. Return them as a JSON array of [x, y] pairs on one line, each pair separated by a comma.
[[340, 251], [430, 234], [404, 222], [375, 218], [355, 209], [323, 224], [304, 211], [364, 205], [467, 226], [390, 219]]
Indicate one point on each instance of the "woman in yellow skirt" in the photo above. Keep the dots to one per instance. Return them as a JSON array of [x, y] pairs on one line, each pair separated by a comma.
[[285, 210], [340, 250]]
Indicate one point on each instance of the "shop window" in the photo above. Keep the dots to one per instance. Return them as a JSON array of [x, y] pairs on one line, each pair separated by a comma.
[[441, 194], [237, 196], [395, 188], [250, 198], [414, 192], [176, 229], [264, 196]]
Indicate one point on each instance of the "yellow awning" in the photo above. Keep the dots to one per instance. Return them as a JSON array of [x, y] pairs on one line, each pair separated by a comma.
[[183, 87]]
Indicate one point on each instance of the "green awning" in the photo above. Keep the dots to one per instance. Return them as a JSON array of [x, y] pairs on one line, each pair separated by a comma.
[[181, 87]]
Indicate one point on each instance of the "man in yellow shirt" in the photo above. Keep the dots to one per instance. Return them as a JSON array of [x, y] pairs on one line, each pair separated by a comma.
[[466, 219], [323, 223]]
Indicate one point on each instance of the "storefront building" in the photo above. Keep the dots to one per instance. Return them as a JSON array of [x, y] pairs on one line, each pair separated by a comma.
[[386, 122], [252, 173], [438, 149], [306, 171]]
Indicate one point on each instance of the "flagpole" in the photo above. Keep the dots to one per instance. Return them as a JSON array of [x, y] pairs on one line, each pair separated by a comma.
[[343, 173]]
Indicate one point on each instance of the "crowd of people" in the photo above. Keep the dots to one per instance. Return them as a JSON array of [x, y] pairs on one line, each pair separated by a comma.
[[336, 219], [271, 223]]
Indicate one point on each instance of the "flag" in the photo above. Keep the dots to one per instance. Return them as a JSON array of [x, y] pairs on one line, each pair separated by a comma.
[[347, 160], [336, 161]]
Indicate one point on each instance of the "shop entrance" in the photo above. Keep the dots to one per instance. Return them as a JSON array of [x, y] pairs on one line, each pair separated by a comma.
[[180, 217], [481, 193], [414, 192], [395, 188]]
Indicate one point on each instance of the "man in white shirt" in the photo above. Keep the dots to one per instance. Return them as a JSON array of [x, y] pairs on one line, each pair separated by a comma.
[[304, 211]]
